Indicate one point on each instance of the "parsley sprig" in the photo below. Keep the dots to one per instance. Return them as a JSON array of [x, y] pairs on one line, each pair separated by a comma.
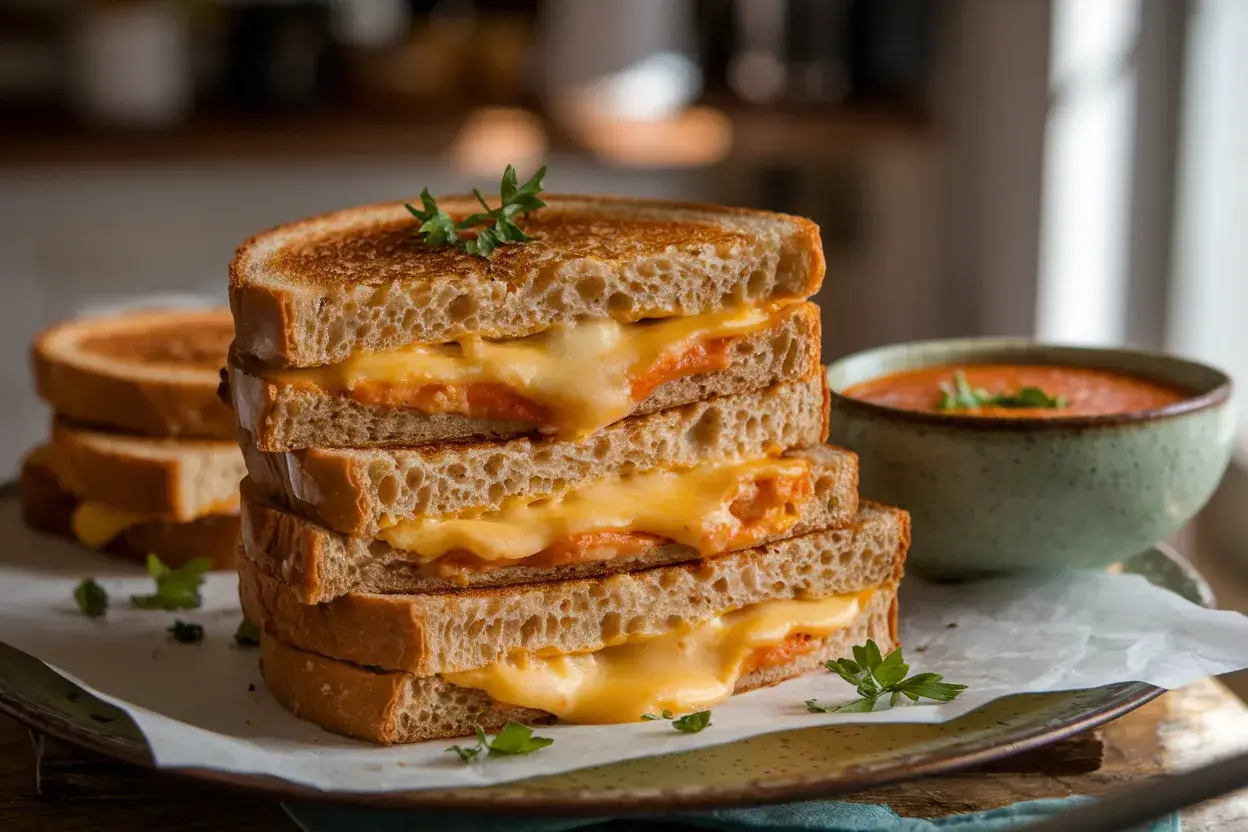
[[512, 740], [186, 632], [689, 723], [497, 226], [176, 589], [91, 598], [961, 396], [874, 676]]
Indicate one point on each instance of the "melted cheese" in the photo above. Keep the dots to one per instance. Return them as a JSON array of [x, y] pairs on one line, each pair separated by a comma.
[[95, 524], [688, 669], [582, 373], [691, 506]]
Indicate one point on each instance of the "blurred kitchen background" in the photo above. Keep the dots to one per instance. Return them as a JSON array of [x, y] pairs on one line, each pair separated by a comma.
[[1071, 169]]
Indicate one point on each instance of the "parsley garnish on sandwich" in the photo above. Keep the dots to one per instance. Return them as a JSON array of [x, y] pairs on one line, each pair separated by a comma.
[[514, 739], [176, 589], [874, 676], [495, 227]]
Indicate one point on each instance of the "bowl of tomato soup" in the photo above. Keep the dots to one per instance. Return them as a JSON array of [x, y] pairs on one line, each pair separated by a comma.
[[1016, 456]]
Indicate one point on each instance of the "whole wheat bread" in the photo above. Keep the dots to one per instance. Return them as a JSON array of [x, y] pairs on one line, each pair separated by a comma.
[[315, 291], [389, 707], [353, 490], [152, 372], [283, 417], [178, 479], [447, 632], [317, 564], [49, 508]]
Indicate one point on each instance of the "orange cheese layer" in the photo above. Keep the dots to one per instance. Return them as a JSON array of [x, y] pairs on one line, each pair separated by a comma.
[[570, 380], [712, 508], [690, 668]]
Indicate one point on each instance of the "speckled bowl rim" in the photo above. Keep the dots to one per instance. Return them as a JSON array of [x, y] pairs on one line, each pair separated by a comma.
[[1005, 349]]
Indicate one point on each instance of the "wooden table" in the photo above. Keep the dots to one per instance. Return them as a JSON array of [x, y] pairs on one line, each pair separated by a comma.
[[1180, 730]]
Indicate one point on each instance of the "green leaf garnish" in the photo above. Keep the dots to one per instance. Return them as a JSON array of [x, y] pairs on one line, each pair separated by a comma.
[[961, 396], [689, 723], [247, 634], [692, 723], [186, 632], [91, 598], [176, 589], [513, 740], [496, 226], [874, 676]]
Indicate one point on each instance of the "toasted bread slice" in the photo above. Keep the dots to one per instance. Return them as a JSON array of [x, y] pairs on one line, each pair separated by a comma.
[[388, 707], [153, 372], [354, 490], [176, 479], [283, 416], [447, 632], [49, 508], [316, 291], [318, 565]]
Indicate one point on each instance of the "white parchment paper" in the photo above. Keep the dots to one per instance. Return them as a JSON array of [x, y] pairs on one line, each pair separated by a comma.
[[197, 706]]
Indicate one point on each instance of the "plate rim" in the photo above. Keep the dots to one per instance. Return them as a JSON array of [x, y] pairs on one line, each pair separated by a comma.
[[514, 798]]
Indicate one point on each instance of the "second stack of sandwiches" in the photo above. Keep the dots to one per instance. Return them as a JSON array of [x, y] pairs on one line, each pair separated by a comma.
[[141, 459], [581, 479]]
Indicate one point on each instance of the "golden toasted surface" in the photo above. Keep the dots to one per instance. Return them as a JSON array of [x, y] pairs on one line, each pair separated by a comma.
[[171, 343], [381, 251], [316, 291]]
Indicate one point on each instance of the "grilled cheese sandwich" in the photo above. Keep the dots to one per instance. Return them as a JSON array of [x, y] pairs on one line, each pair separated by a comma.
[[687, 669], [571, 379], [712, 507]]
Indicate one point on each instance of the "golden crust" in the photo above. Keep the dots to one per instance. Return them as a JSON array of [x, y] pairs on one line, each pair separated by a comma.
[[152, 372]]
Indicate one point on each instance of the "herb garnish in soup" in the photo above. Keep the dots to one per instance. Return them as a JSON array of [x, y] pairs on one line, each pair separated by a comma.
[[1016, 390]]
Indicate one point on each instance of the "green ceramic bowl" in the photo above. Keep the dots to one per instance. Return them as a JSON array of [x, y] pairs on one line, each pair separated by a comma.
[[992, 496]]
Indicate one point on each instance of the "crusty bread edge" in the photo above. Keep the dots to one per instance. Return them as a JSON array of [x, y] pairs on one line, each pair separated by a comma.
[[140, 484]]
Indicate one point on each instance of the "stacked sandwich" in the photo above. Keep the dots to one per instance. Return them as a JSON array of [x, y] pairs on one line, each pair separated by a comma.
[[581, 478], [142, 458]]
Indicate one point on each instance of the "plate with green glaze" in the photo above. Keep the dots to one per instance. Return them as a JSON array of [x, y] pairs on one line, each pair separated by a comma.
[[793, 765]]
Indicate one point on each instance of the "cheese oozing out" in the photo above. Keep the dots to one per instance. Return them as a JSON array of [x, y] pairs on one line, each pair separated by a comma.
[[690, 668], [709, 507], [583, 375]]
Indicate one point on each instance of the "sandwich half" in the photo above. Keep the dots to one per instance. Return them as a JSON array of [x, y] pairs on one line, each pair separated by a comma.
[[151, 372], [351, 332], [593, 528], [404, 668], [135, 495], [387, 492]]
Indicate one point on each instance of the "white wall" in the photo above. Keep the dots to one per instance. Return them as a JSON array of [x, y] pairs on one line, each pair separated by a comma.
[[1209, 305]]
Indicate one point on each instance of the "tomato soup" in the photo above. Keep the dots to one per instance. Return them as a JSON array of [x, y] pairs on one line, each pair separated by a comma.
[[1075, 391]]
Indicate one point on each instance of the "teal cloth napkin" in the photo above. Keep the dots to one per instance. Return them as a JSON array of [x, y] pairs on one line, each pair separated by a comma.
[[811, 816]]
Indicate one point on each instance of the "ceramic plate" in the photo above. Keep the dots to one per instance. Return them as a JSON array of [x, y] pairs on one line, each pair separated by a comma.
[[801, 764]]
